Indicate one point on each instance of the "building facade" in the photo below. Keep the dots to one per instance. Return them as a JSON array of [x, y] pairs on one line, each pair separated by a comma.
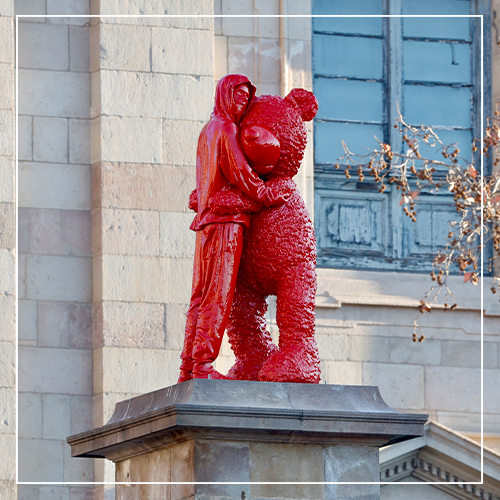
[[109, 110]]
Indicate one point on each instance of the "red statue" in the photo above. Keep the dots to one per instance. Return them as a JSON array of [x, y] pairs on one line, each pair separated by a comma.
[[220, 165], [278, 247]]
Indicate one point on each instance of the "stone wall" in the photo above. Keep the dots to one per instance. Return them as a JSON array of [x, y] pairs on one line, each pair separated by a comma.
[[55, 265], [109, 115], [7, 254]]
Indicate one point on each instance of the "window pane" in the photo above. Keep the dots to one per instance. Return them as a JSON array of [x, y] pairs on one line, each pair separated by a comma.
[[445, 106], [463, 138], [328, 139], [456, 28], [437, 62], [349, 100], [362, 25], [348, 56]]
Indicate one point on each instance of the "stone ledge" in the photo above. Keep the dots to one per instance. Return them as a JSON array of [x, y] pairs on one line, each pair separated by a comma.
[[248, 411]]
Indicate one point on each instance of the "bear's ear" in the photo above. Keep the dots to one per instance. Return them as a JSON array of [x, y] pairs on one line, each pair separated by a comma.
[[306, 101]]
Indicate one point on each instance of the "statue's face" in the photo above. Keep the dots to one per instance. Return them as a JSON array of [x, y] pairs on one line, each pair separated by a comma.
[[241, 96]]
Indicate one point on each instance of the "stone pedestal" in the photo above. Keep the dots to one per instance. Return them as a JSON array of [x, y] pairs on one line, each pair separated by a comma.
[[252, 433]]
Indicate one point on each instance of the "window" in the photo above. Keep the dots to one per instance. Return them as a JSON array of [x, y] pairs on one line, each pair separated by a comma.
[[364, 68]]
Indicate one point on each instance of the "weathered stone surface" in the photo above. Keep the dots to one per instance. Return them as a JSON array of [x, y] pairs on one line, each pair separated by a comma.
[[131, 140], [421, 353], [60, 371], [54, 93], [146, 279], [50, 139], [28, 320], [70, 7], [167, 7], [60, 232], [332, 347], [8, 318], [81, 493], [220, 56], [7, 366], [343, 372], [7, 225], [7, 131], [26, 7], [9, 491], [180, 141], [8, 467], [145, 187], [491, 385], [75, 470], [128, 324], [144, 95], [79, 47], [221, 462], [43, 46], [7, 411], [467, 354], [40, 460], [171, 47], [402, 386], [53, 493], [368, 348], [351, 464], [6, 83], [25, 137], [125, 47], [130, 232], [138, 370], [30, 415], [79, 141], [54, 186], [56, 416], [6, 8], [7, 170], [7, 40], [176, 239], [59, 278], [452, 388], [291, 463]]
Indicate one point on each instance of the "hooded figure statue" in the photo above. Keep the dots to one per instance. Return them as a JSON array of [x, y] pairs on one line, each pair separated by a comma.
[[220, 165]]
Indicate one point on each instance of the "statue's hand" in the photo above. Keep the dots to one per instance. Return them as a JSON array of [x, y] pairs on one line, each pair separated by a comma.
[[193, 200], [232, 201], [281, 190]]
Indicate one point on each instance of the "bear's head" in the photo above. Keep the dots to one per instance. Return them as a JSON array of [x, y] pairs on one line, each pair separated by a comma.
[[273, 134]]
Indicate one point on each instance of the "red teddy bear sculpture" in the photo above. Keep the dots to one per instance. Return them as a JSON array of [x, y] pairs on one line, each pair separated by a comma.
[[279, 252]]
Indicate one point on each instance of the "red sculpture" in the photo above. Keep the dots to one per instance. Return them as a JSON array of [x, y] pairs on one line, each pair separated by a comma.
[[220, 164], [278, 248]]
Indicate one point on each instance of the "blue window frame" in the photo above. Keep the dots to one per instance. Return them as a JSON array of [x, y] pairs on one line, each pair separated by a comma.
[[364, 69]]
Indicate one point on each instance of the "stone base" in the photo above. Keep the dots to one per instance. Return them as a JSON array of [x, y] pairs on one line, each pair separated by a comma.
[[206, 431]]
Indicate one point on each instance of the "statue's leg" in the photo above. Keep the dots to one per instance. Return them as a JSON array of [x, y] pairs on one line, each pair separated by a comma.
[[249, 339], [192, 316], [297, 359], [220, 258]]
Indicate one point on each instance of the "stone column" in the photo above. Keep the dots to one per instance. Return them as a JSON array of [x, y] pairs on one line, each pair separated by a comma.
[[152, 91], [227, 431], [7, 255]]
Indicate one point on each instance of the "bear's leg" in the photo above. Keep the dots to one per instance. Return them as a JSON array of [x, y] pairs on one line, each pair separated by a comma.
[[297, 359], [249, 339]]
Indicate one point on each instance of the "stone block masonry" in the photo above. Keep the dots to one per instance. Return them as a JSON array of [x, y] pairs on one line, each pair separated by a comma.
[[55, 265]]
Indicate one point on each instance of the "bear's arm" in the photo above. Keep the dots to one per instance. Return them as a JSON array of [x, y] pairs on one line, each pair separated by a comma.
[[232, 201]]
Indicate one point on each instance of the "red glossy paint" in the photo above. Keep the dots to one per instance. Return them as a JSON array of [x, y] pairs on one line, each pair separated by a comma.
[[220, 166]]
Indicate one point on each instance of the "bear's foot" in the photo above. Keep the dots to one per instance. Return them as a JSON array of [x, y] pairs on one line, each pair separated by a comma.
[[297, 363], [248, 368]]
